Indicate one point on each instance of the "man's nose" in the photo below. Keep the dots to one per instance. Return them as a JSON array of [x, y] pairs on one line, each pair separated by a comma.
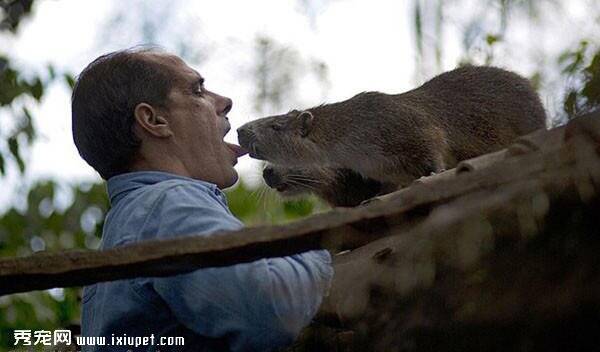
[[224, 105]]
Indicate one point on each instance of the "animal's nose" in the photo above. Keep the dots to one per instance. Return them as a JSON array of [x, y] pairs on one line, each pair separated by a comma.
[[245, 137], [271, 177]]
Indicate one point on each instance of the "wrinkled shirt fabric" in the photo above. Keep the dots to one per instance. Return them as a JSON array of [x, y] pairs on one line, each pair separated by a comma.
[[257, 306]]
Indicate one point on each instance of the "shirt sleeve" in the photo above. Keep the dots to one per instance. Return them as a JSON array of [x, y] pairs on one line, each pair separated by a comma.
[[257, 306]]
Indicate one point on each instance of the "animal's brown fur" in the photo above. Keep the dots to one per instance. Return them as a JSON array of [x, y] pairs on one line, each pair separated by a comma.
[[397, 138]]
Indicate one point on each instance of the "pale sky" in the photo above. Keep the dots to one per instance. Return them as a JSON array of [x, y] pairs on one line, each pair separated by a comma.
[[366, 44]]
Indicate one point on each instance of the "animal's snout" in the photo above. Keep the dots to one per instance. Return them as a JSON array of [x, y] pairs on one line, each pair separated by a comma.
[[272, 178], [246, 137]]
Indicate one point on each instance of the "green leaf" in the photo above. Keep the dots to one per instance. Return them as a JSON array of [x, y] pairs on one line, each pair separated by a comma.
[[418, 23], [70, 80], [51, 72], [13, 146], [27, 127], [564, 57], [570, 104], [37, 89], [492, 39], [536, 80]]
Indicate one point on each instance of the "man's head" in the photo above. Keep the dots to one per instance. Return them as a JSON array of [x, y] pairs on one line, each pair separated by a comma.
[[142, 109]]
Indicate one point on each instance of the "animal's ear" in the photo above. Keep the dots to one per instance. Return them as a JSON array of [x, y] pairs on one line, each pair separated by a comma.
[[306, 120]]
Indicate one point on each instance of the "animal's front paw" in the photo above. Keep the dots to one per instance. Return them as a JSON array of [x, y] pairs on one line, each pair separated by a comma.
[[437, 172], [370, 201]]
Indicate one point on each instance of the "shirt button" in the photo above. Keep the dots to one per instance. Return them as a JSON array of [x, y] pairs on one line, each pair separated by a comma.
[[220, 194]]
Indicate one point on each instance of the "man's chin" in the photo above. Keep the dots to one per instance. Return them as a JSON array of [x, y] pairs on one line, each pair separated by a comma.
[[230, 180]]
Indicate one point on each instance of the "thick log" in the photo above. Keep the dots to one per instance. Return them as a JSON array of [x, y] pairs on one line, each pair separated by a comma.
[[456, 236], [535, 287], [515, 269]]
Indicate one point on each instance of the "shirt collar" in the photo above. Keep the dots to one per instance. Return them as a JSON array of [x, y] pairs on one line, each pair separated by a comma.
[[118, 186]]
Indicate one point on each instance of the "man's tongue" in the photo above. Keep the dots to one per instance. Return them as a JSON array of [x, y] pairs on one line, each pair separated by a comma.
[[239, 151]]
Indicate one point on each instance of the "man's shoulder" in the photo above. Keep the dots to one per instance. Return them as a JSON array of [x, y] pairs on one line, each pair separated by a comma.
[[166, 198], [171, 208], [174, 192], [190, 208]]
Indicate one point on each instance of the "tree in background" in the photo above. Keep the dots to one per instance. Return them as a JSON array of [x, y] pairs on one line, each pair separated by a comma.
[[582, 68], [571, 78], [16, 93], [38, 223]]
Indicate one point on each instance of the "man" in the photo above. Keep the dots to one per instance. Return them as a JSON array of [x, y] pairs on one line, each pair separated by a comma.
[[145, 121]]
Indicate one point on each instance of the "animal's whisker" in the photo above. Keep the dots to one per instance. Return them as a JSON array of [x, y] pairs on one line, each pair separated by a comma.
[[304, 179], [302, 184]]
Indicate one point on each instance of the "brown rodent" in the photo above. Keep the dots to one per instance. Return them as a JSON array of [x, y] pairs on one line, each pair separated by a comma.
[[337, 186], [397, 138]]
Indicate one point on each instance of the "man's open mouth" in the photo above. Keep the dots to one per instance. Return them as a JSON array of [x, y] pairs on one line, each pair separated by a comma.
[[236, 149]]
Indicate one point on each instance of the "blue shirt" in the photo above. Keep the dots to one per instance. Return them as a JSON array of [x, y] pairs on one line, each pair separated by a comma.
[[257, 306]]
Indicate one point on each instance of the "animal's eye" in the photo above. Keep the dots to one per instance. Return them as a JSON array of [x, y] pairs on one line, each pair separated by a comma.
[[199, 91], [276, 127]]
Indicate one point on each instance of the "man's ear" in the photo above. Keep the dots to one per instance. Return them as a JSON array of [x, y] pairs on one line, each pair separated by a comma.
[[150, 120]]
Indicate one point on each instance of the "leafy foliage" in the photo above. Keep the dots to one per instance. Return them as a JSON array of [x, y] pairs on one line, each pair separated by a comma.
[[13, 12], [42, 225], [12, 87], [582, 66], [486, 40], [18, 92], [262, 206], [39, 224]]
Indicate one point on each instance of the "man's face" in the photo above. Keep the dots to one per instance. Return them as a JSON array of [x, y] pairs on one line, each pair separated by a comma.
[[197, 118]]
